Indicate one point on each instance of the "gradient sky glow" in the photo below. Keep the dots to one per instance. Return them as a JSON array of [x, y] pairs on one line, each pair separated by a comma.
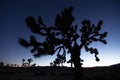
[[12, 24]]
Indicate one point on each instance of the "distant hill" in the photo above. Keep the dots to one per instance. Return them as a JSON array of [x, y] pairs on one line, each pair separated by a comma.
[[111, 72], [116, 65]]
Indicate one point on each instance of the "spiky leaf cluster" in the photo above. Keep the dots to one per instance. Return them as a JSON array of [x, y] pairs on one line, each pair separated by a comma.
[[37, 48], [91, 33], [64, 20], [63, 24]]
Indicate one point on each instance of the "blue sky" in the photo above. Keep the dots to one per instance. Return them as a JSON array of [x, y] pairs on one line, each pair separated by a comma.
[[12, 24]]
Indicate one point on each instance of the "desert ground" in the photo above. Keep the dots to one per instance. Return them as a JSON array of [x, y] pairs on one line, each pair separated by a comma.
[[59, 73]]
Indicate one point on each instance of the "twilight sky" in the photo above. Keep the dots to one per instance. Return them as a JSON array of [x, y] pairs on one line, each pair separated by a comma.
[[12, 24]]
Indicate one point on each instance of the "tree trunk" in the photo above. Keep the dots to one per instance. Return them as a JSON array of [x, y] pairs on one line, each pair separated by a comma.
[[71, 64], [78, 69], [77, 64], [71, 61]]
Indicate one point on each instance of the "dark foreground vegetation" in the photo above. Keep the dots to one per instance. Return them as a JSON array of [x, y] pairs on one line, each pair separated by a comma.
[[58, 73]]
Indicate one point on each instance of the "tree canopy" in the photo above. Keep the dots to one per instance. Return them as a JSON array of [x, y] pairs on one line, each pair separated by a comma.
[[64, 35]]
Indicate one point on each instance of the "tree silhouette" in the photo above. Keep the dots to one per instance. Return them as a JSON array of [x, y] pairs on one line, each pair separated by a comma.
[[15, 65], [70, 61], [29, 61], [51, 63], [33, 65], [64, 36], [61, 58], [1, 64], [56, 62], [23, 61]]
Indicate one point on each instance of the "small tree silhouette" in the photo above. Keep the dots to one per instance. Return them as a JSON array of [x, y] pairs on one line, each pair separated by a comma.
[[29, 61], [64, 36], [1, 64], [51, 63], [70, 61], [56, 62], [33, 65], [61, 58], [7, 65], [23, 61]]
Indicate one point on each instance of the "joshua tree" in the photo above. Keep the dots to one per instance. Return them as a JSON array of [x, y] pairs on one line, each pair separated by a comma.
[[1, 64], [51, 63], [61, 58], [7, 65], [33, 65], [29, 61], [11, 65], [15, 65], [23, 61], [70, 61], [56, 62], [64, 36]]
